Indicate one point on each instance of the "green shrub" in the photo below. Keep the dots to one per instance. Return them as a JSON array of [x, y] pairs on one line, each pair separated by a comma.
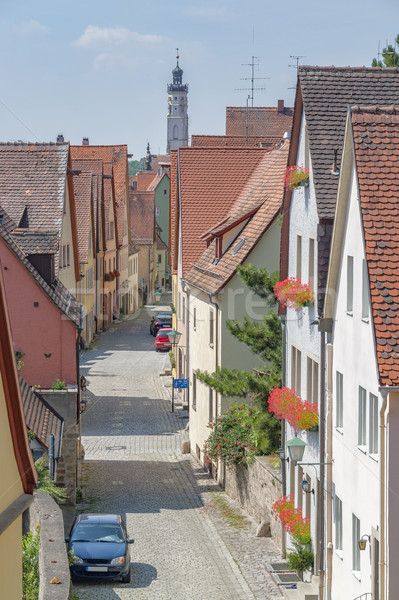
[[59, 385], [30, 565], [232, 438], [172, 359], [302, 558], [46, 485]]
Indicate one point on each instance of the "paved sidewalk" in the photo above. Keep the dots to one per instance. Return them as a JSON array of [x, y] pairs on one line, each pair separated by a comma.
[[192, 541]]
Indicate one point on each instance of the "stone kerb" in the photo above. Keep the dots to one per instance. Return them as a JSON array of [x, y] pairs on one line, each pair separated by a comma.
[[53, 559], [255, 489], [64, 402]]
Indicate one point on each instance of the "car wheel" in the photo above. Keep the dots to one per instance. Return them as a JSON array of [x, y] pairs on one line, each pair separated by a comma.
[[126, 578]]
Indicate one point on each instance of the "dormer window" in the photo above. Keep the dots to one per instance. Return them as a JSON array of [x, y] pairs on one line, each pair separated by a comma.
[[219, 247]]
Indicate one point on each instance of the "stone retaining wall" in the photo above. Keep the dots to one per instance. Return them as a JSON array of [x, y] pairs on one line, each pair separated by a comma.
[[53, 560], [255, 489]]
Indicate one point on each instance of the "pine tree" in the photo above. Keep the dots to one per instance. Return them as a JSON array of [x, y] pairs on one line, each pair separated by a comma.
[[264, 339], [390, 58]]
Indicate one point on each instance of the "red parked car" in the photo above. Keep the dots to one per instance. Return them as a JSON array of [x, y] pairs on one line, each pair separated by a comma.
[[162, 341]]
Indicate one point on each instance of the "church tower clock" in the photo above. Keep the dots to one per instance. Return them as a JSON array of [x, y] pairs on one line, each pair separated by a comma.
[[177, 110]]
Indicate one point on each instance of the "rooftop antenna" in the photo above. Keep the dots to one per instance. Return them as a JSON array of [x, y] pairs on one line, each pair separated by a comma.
[[297, 58], [378, 54], [252, 79]]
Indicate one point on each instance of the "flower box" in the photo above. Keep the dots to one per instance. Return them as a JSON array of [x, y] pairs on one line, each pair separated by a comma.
[[291, 517], [293, 293], [296, 176], [286, 404]]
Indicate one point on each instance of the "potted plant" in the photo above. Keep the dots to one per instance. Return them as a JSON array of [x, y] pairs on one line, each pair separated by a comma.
[[116, 273], [291, 292], [286, 404], [296, 176]]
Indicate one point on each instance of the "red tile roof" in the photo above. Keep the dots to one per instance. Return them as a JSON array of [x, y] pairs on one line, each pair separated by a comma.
[[376, 143], [262, 195], [258, 121], [142, 217], [211, 179], [40, 417], [234, 141], [117, 155], [95, 167], [144, 178], [82, 185]]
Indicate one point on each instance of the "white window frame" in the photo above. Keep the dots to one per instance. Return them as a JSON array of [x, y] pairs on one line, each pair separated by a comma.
[[312, 381], [339, 401], [362, 419], [296, 369], [365, 292], [299, 256], [373, 425], [338, 525], [349, 285], [355, 546]]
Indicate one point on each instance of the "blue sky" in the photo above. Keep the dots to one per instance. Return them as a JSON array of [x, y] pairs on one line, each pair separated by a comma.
[[100, 69]]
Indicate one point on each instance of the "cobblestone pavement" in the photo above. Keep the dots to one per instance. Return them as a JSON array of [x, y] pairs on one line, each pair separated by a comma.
[[191, 541]]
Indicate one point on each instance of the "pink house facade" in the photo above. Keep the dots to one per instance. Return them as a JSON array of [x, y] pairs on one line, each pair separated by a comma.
[[44, 320]]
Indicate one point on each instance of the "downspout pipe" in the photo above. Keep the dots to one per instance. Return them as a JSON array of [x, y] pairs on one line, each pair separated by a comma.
[[78, 395], [383, 435], [283, 463], [322, 438], [216, 340], [187, 292]]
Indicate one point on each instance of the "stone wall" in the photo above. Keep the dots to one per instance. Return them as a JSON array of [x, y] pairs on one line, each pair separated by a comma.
[[64, 402], [256, 488], [53, 560]]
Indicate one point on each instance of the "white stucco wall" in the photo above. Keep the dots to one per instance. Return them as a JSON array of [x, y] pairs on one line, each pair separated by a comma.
[[355, 472], [67, 274], [301, 334]]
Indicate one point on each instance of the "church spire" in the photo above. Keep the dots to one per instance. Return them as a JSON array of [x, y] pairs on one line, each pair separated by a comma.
[[177, 109]]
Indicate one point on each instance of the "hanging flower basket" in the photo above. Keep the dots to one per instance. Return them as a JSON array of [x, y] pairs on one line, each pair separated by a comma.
[[116, 273], [286, 404], [109, 276], [296, 176], [293, 293], [291, 517]]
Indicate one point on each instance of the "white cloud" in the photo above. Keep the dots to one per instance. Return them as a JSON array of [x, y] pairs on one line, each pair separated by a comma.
[[109, 62], [31, 27], [113, 35], [209, 13]]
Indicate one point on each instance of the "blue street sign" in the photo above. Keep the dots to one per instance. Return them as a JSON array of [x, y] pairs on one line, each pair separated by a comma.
[[180, 383]]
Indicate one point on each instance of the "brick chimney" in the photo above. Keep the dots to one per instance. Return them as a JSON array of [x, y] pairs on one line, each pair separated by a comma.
[[280, 106], [60, 138], [85, 142]]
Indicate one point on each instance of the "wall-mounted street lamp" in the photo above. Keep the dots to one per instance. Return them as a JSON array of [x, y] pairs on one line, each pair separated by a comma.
[[174, 338], [363, 541], [305, 485], [158, 297]]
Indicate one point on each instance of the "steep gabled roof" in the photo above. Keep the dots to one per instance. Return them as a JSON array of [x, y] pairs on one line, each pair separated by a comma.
[[234, 141], [32, 183], [82, 185], [376, 144], [57, 293], [144, 178], [40, 417], [117, 155], [326, 94], [258, 121], [262, 196], [211, 180], [142, 217], [96, 168]]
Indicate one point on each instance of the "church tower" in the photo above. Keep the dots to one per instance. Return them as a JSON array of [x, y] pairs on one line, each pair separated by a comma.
[[177, 110]]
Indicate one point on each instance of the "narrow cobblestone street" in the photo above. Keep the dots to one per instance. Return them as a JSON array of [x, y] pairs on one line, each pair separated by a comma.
[[191, 541]]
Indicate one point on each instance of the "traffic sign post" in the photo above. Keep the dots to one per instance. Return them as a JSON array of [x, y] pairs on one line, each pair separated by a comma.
[[180, 384]]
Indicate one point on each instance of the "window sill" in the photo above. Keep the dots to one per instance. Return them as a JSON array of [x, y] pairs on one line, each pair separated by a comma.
[[210, 345], [339, 430], [194, 407], [357, 575], [374, 457], [365, 320], [349, 313], [339, 554], [362, 449]]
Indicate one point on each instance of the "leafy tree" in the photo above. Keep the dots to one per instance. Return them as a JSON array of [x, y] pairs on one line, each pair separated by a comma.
[[135, 166], [390, 58], [264, 339]]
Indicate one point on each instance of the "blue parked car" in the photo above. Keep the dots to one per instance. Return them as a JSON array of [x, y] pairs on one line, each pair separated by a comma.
[[99, 547]]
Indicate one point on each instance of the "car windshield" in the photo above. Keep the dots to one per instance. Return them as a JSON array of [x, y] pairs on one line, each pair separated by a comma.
[[97, 532]]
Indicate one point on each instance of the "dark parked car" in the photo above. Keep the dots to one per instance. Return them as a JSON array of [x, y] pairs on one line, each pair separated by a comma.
[[161, 320], [162, 341], [99, 547]]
